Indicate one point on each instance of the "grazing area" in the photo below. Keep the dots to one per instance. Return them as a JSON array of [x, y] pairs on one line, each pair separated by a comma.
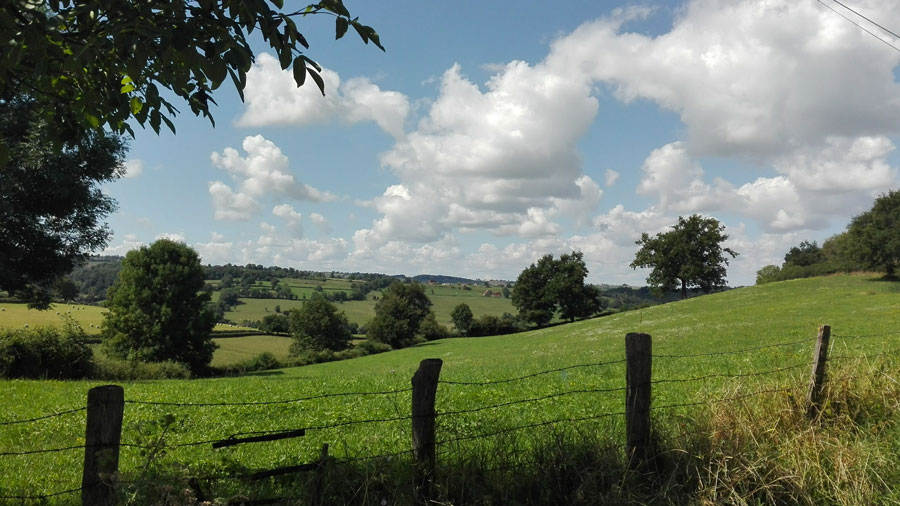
[[730, 372], [18, 315]]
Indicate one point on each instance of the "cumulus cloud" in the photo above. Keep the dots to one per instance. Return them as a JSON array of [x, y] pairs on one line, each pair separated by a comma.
[[273, 98], [171, 237], [291, 217], [321, 223], [133, 168], [265, 171], [610, 177], [752, 78]]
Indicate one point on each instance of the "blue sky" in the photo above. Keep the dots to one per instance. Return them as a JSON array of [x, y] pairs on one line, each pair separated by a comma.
[[492, 133]]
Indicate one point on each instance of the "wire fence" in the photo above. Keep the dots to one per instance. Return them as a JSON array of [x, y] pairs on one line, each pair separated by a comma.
[[456, 435]]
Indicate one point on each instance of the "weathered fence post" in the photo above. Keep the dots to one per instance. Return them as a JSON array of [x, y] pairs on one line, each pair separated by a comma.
[[817, 381], [638, 361], [424, 389], [318, 489], [105, 407]]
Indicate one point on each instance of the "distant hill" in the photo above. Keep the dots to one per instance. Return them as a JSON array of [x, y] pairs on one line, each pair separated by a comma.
[[424, 278]]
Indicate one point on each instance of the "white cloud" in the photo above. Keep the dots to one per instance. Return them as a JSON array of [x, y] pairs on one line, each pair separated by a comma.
[[216, 251], [752, 78], [133, 168], [171, 237], [291, 216], [273, 98], [610, 177], [321, 223], [264, 172]]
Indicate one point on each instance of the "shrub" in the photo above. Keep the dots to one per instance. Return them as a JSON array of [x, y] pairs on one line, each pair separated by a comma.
[[114, 369], [45, 352], [262, 362]]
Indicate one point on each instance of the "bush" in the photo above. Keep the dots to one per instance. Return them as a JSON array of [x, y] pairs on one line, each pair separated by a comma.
[[45, 352], [262, 362], [113, 369]]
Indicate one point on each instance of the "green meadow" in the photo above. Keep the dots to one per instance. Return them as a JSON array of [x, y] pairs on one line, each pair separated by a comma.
[[754, 344]]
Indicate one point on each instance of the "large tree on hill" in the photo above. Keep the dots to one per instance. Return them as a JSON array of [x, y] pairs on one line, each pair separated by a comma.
[[398, 314], [553, 285], [690, 256], [876, 233], [157, 310], [106, 63], [51, 205], [318, 325]]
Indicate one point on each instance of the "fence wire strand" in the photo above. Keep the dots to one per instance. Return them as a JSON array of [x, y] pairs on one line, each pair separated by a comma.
[[43, 417], [732, 352], [732, 376], [533, 399], [865, 336], [268, 403], [41, 496], [532, 375]]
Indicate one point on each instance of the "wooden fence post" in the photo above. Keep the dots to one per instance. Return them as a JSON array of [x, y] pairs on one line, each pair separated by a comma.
[[424, 389], [105, 407], [638, 362], [318, 488], [817, 381]]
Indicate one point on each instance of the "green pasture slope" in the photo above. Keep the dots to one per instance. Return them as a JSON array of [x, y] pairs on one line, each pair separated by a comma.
[[786, 314], [443, 298]]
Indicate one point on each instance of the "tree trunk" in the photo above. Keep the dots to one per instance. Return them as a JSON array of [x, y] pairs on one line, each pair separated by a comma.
[[683, 289]]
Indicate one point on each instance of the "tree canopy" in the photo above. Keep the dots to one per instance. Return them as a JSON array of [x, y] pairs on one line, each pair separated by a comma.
[[807, 253], [876, 233], [51, 206], [398, 314], [690, 255], [462, 318], [553, 285], [106, 63], [156, 309], [318, 325]]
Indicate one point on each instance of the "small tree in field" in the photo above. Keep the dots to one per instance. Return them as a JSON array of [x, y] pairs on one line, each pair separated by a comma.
[[690, 255], [318, 325], [876, 234], [462, 318], [157, 310], [398, 314]]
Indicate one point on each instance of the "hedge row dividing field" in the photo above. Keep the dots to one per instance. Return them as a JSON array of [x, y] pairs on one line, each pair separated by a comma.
[[692, 344]]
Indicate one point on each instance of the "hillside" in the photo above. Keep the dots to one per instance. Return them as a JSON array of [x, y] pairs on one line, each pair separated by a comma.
[[746, 341]]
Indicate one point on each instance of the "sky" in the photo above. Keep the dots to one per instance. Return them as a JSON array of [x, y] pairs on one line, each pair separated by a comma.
[[489, 134]]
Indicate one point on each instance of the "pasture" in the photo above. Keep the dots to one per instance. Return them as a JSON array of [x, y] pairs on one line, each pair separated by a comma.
[[745, 341]]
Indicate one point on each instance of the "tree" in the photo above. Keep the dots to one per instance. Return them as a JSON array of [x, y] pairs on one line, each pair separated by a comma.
[[690, 255], [398, 314], [51, 206], [317, 325], [531, 297], [808, 253], [156, 309], [462, 318], [100, 64], [877, 233], [555, 285]]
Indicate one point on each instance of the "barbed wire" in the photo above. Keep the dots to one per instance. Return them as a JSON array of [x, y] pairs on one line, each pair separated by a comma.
[[267, 403], [40, 496], [533, 399], [733, 352], [46, 450], [44, 417], [864, 336], [526, 426], [532, 375], [731, 376]]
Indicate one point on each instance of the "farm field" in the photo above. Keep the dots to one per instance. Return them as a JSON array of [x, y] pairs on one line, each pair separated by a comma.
[[744, 341], [236, 349]]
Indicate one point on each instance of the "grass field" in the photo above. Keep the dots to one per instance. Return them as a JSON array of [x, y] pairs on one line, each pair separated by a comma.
[[237, 349], [786, 314]]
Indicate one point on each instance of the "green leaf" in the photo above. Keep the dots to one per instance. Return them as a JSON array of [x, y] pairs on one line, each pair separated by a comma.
[[278, 3], [318, 79], [125, 80], [340, 27], [128, 88], [136, 105], [299, 71]]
